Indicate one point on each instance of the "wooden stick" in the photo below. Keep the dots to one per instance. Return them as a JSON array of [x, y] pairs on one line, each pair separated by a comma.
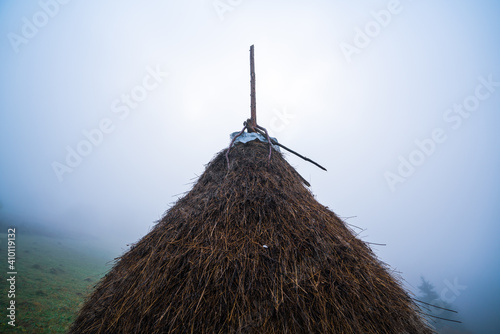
[[433, 316], [253, 108], [292, 151], [232, 142], [442, 308], [268, 140]]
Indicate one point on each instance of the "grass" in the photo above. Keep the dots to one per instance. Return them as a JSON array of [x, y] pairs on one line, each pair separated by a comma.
[[54, 275]]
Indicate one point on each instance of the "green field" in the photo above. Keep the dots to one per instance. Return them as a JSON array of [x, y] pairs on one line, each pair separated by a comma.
[[54, 275]]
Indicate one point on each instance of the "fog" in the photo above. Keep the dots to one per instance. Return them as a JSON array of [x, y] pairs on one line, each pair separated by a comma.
[[109, 112]]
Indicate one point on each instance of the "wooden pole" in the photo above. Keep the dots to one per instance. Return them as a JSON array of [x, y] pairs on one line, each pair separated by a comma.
[[253, 118]]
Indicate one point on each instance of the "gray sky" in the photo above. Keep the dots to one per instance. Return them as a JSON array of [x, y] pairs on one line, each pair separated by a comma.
[[109, 110]]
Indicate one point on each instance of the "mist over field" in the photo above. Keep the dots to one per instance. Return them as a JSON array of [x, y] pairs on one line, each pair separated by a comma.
[[110, 111]]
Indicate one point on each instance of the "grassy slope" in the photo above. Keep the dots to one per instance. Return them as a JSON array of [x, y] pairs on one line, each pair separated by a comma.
[[54, 276]]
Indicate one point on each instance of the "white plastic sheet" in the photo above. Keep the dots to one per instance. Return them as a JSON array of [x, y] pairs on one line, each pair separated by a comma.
[[249, 136]]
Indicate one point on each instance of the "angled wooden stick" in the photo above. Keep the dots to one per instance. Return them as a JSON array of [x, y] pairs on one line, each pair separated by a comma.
[[292, 151]]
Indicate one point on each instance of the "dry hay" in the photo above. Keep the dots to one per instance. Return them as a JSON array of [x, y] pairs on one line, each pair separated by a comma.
[[249, 250]]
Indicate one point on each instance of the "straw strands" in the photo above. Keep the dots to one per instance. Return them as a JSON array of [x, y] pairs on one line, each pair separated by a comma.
[[249, 250]]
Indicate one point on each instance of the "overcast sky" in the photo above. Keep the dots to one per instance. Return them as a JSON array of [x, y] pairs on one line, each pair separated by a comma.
[[108, 111]]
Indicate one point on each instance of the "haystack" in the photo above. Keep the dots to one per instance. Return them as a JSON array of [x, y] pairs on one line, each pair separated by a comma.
[[249, 250]]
